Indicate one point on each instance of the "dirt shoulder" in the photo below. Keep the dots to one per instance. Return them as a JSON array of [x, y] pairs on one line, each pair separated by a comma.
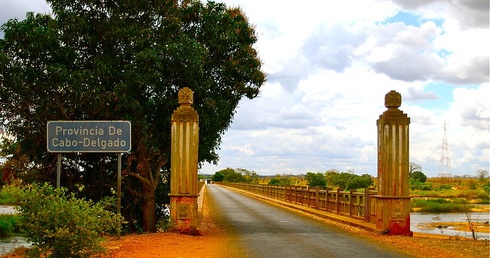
[[216, 239]]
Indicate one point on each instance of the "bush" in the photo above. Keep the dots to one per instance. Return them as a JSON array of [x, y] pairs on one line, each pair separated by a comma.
[[416, 185], [9, 194], [444, 187], [60, 225], [281, 181]]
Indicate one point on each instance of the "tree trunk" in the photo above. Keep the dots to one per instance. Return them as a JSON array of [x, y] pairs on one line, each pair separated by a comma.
[[149, 210], [149, 182]]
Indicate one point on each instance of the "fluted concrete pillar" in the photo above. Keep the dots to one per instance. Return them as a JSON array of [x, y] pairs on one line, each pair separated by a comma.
[[184, 162], [393, 201]]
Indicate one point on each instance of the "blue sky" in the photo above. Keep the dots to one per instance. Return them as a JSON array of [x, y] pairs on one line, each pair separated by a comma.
[[329, 65]]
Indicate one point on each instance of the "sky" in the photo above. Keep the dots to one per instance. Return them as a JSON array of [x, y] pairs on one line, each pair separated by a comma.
[[329, 65]]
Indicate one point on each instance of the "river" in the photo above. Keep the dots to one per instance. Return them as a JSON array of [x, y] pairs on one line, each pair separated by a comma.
[[7, 244], [419, 218]]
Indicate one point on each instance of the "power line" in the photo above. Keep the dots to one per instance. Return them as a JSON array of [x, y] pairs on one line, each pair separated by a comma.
[[445, 161]]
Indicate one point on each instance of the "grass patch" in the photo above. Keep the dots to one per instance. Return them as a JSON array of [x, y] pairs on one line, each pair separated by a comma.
[[9, 224], [441, 205]]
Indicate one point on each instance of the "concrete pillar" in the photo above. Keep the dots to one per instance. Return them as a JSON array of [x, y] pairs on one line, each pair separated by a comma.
[[184, 162], [393, 201]]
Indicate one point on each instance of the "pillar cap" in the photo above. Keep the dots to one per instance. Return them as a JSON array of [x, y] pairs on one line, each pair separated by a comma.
[[393, 99], [186, 96]]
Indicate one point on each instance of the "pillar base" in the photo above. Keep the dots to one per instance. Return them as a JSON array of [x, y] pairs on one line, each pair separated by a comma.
[[184, 213], [393, 215]]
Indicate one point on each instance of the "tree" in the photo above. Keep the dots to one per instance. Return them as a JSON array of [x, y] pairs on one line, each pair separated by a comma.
[[231, 175], [218, 177], [349, 181], [482, 175], [281, 181], [316, 179], [125, 60], [418, 176], [412, 167], [250, 177], [330, 175], [356, 182]]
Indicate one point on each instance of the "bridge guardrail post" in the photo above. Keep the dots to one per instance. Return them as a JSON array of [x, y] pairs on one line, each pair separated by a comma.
[[337, 201], [367, 209], [351, 201], [317, 197]]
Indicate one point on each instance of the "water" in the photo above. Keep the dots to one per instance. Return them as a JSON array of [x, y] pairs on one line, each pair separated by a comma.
[[7, 209], [8, 244], [418, 218]]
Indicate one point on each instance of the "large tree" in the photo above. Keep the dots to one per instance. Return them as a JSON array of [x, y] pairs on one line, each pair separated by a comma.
[[126, 60]]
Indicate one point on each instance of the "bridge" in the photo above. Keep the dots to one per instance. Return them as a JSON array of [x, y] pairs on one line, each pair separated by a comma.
[[388, 209], [266, 228], [348, 207]]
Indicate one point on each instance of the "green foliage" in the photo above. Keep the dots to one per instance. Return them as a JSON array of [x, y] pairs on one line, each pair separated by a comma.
[[316, 179], [218, 177], [281, 181], [417, 185], [250, 177], [238, 175], [9, 223], [230, 175], [9, 194], [61, 225], [418, 176], [444, 187], [440, 205], [486, 187], [349, 181]]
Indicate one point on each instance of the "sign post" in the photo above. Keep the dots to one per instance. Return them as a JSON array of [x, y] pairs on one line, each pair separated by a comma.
[[90, 136]]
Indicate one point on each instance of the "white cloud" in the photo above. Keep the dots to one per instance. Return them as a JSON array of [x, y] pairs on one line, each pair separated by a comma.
[[336, 71], [329, 65]]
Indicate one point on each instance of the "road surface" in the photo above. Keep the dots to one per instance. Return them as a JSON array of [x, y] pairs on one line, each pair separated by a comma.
[[266, 230]]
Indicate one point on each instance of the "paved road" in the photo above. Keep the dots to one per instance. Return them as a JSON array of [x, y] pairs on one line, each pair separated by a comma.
[[266, 230]]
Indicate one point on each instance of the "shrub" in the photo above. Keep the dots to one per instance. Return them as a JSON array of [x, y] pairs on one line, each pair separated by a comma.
[[417, 185], [280, 181], [9, 194], [486, 188], [60, 225], [444, 187]]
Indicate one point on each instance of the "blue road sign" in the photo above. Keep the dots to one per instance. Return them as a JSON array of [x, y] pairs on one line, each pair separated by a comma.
[[89, 136]]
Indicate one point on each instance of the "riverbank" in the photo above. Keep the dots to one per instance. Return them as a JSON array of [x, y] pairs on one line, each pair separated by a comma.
[[479, 227]]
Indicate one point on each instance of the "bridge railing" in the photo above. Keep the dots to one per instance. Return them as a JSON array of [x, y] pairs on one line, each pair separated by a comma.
[[347, 203]]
